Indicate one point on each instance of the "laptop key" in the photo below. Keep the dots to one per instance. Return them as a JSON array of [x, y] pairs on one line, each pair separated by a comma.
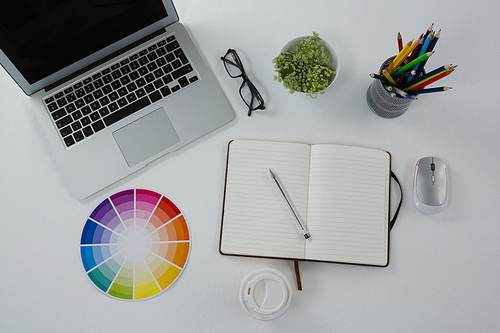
[[80, 92], [122, 102], [176, 63], [165, 91], [172, 46], [94, 116], [69, 141], [155, 96], [97, 126], [85, 121], [66, 131], [52, 107], [140, 93], [180, 54], [77, 115], [58, 114], [183, 81], [64, 121], [86, 110], [62, 102], [131, 98], [126, 111], [79, 103], [182, 71], [88, 131], [113, 107], [76, 126], [78, 136]]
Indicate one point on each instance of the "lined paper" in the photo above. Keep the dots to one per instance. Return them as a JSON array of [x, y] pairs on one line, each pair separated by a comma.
[[256, 221], [340, 192], [348, 205]]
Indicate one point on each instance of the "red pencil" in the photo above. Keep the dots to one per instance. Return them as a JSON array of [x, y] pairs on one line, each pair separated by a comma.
[[426, 83], [400, 42]]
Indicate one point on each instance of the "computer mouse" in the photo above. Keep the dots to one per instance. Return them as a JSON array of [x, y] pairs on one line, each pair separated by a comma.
[[430, 185]]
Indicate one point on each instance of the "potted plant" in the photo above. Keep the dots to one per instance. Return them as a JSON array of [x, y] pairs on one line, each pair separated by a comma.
[[306, 64]]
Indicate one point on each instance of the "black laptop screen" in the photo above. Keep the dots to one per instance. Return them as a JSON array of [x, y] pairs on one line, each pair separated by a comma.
[[42, 37]]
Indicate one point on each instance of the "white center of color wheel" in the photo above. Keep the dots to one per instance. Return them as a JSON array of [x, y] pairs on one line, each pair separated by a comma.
[[136, 246]]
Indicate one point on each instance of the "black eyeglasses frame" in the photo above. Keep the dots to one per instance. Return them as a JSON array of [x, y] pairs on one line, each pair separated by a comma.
[[246, 81]]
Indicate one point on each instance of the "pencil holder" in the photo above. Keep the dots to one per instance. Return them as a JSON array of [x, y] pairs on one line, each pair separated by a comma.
[[380, 100]]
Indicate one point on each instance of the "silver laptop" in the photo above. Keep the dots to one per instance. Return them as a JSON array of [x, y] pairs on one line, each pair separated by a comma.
[[114, 84]]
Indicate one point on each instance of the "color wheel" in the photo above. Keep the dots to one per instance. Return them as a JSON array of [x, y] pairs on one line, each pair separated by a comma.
[[135, 244]]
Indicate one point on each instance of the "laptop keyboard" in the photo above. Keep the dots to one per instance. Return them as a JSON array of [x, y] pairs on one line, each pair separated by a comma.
[[102, 99]]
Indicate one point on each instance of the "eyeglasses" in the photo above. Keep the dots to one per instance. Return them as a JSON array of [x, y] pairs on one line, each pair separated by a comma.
[[249, 94]]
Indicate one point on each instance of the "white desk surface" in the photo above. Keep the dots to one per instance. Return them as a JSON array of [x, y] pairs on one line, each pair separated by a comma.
[[444, 269]]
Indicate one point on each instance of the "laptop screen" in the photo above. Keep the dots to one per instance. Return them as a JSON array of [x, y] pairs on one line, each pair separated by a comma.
[[41, 37]]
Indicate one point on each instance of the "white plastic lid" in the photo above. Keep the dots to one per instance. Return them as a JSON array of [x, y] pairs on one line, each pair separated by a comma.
[[265, 293]]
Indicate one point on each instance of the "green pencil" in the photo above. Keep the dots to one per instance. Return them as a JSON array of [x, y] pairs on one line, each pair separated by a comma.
[[423, 57]]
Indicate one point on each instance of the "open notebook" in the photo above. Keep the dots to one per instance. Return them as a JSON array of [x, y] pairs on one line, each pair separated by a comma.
[[340, 192]]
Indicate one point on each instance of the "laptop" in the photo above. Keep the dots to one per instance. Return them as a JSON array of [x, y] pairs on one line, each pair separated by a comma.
[[115, 84]]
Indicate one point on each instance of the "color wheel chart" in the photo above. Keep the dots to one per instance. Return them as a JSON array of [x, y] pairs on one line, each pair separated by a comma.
[[135, 244]]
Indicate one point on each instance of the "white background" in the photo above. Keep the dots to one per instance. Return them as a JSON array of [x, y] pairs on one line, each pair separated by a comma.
[[443, 272]]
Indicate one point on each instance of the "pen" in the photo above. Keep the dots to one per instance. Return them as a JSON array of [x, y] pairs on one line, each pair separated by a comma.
[[289, 205]]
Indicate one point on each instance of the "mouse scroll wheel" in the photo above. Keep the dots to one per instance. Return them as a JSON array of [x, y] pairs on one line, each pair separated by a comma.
[[433, 167]]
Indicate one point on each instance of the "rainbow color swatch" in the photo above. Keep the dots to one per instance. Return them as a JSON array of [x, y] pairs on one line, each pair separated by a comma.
[[135, 244]]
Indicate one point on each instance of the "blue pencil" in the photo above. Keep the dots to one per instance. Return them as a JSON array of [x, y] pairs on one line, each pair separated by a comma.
[[431, 48], [422, 51], [420, 78]]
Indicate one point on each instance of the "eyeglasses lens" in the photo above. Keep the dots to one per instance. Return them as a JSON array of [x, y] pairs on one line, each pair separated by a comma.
[[233, 65]]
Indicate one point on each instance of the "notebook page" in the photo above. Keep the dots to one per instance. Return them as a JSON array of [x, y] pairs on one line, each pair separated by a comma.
[[256, 221], [348, 205]]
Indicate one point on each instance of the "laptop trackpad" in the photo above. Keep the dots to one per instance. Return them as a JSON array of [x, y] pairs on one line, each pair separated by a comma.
[[146, 137]]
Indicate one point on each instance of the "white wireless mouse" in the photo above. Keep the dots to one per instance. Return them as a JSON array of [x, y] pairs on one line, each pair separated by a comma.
[[430, 185]]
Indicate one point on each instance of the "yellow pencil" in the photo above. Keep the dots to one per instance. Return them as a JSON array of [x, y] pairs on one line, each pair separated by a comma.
[[391, 67], [444, 73], [388, 77], [399, 60]]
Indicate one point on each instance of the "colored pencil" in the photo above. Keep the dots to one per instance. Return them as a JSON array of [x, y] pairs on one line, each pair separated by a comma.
[[388, 77], [378, 77], [431, 80], [429, 90], [429, 30], [416, 51], [413, 63], [400, 92], [423, 50], [400, 57], [404, 77], [426, 76], [435, 38]]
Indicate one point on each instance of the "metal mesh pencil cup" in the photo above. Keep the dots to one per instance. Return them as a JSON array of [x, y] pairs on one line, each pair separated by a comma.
[[381, 102]]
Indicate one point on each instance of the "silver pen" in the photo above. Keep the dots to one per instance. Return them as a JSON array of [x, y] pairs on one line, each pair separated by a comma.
[[289, 205]]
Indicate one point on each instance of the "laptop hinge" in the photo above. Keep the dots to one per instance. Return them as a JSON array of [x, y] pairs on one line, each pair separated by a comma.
[[103, 60]]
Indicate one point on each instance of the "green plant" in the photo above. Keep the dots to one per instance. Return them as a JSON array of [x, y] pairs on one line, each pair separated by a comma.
[[306, 70]]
